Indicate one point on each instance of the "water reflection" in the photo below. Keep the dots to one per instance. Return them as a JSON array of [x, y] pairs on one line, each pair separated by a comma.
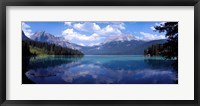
[[101, 70]]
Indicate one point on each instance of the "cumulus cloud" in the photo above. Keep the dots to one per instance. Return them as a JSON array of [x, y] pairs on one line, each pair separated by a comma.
[[120, 26], [68, 23], [157, 24], [70, 34], [87, 26], [81, 44], [91, 32], [148, 36], [161, 23], [152, 28], [81, 39], [95, 28], [109, 30], [26, 28]]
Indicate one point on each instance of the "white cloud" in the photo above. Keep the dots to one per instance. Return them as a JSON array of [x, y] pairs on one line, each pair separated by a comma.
[[70, 34], [148, 36], [120, 26], [81, 44], [96, 27], [26, 29], [68, 23], [91, 34], [157, 24], [109, 30], [68, 31], [24, 25], [161, 23], [87, 26], [152, 28], [81, 39]]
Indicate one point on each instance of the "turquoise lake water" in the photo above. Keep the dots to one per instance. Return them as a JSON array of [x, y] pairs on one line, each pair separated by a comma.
[[100, 69]]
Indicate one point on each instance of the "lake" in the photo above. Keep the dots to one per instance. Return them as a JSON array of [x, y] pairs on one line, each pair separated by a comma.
[[98, 69]]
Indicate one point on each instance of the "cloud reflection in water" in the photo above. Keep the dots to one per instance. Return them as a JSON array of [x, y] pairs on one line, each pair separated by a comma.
[[97, 70]]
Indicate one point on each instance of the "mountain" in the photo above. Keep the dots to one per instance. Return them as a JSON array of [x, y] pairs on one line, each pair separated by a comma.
[[24, 37], [119, 38], [49, 38], [35, 47], [115, 45], [121, 47]]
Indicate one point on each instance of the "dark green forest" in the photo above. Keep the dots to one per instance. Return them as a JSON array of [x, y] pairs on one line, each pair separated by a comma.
[[32, 48], [169, 50], [154, 50]]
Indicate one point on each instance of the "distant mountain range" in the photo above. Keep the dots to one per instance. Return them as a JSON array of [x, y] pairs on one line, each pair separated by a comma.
[[119, 38], [132, 47], [126, 45], [47, 37]]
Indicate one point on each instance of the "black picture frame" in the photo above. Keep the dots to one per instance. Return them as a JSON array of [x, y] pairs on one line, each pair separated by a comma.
[[4, 3]]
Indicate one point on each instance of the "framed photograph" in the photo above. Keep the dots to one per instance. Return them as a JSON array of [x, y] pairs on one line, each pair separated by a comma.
[[71, 52]]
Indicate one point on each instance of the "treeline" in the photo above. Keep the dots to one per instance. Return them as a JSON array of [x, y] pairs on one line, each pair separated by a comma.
[[47, 48], [154, 50], [26, 49], [170, 48]]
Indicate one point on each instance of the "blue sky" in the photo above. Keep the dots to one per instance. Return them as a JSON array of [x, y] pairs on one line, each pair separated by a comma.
[[94, 33]]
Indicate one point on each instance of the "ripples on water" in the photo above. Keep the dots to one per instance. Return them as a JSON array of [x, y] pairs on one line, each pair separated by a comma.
[[100, 69]]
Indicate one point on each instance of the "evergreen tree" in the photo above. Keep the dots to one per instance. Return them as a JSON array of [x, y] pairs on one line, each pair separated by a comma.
[[170, 48], [26, 50], [50, 49], [154, 50]]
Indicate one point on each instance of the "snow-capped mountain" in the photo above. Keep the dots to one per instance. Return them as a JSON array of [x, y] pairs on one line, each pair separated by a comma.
[[24, 37], [125, 47], [120, 38], [115, 45], [47, 37], [121, 45]]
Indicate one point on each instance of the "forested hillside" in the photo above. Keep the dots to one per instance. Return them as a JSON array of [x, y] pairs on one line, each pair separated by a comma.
[[30, 47]]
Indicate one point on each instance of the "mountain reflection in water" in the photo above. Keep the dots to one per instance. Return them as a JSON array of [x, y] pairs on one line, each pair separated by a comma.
[[101, 69]]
